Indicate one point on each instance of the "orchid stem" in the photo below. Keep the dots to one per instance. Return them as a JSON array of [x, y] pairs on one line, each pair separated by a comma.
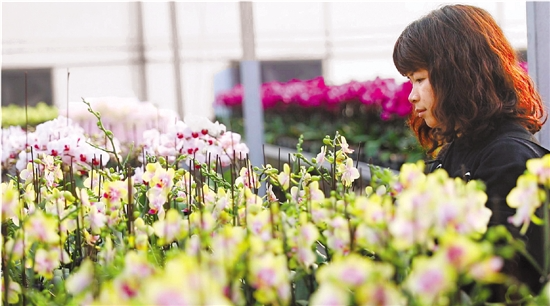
[[531, 259], [546, 235], [5, 266]]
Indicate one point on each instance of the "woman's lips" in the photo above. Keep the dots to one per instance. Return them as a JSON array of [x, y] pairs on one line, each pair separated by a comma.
[[420, 112]]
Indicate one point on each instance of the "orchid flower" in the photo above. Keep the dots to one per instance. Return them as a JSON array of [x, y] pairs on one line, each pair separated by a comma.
[[430, 280], [541, 168], [11, 205], [348, 172], [40, 227], [284, 177], [171, 228], [14, 290], [81, 279], [526, 197], [269, 276], [45, 261]]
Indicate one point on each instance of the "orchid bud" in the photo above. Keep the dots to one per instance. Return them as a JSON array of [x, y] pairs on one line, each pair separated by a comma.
[[369, 190], [68, 196]]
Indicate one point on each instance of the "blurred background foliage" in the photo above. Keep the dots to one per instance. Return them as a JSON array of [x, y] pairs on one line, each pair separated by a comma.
[[371, 115], [387, 143], [14, 115]]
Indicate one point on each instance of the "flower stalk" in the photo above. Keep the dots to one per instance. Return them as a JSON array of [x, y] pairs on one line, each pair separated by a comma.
[[546, 224]]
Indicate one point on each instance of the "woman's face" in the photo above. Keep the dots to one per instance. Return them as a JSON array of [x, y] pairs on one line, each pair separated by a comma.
[[422, 96]]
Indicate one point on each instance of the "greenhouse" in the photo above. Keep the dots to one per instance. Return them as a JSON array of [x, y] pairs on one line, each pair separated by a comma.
[[275, 153]]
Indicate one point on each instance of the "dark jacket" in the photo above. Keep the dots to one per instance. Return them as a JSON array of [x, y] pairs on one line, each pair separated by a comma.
[[498, 161]]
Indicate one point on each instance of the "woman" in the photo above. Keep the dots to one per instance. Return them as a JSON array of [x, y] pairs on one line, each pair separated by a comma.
[[476, 107]]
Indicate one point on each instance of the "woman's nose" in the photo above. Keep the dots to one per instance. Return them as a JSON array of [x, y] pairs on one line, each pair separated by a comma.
[[413, 96]]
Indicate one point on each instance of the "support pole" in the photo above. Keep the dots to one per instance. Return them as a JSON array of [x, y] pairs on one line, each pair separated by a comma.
[[327, 72], [251, 81], [538, 49], [176, 58], [141, 60]]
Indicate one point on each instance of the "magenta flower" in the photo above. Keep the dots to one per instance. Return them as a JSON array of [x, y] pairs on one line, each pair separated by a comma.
[[377, 92], [382, 94], [272, 93], [231, 97], [346, 92], [398, 104]]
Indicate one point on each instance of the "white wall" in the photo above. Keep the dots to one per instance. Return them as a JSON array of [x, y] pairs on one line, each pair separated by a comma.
[[97, 42]]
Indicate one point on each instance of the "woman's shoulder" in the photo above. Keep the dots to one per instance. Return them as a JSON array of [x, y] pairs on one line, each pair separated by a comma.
[[513, 141], [509, 145], [514, 146]]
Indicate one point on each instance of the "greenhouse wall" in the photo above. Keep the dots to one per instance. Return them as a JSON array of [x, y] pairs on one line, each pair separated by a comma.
[[126, 48]]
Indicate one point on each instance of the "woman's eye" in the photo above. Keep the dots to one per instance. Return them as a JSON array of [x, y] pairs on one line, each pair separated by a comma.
[[419, 80]]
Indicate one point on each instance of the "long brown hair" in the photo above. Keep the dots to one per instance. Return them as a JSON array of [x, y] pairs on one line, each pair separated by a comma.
[[474, 72]]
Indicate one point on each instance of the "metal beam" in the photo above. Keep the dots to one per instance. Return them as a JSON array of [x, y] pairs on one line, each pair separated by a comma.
[[538, 59]]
